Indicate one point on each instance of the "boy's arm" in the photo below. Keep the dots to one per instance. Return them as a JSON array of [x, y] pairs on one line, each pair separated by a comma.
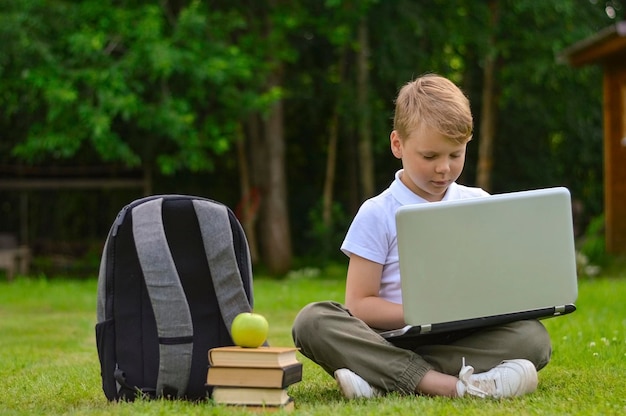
[[362, 287]]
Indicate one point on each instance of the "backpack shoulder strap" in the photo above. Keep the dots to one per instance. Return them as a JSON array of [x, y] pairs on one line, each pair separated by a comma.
[[217, 237], [171, 310]]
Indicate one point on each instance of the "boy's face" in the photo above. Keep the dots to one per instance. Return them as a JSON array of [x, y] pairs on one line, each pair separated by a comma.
[[430, 160]]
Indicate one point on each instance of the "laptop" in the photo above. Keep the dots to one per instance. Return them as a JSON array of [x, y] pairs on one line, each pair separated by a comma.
[[486, 261]]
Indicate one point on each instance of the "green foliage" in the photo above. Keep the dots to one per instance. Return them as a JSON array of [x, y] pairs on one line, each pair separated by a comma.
[[549, 114], [136, 84], [593, 243], [50, 365], [326, 239], [162, 86]]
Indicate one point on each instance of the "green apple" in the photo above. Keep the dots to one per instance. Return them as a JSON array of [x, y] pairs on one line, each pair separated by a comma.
[[249, 330]]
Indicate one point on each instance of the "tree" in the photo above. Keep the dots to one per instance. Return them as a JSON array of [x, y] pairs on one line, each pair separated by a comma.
[[537, 97], [134, 84], [346, 30], [365, 132], [269, 26], [170, 87], [489, 102], [277, 237]]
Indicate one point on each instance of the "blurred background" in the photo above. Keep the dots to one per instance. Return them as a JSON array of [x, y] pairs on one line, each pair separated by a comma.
[[282, 110]]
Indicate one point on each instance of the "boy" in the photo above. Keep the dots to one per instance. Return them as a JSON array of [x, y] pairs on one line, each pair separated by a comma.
[[432, 126]]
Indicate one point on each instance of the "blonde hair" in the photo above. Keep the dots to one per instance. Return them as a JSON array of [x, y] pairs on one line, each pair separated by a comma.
[[437, 102]]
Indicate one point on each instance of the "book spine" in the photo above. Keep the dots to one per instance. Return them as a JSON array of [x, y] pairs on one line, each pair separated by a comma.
[[292, 375]]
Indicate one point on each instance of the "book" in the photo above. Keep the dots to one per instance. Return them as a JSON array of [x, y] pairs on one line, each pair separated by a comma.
[[250, 396], [252, 357], [287, 407], [277, 377]]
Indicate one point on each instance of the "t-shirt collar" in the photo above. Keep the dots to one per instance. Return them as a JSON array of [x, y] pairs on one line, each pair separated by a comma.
[[406, 197]]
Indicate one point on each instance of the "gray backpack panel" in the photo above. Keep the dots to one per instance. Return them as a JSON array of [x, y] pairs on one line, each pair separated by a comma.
[[175, 271]]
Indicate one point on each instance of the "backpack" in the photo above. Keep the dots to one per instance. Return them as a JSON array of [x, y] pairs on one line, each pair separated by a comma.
[[175, 271]]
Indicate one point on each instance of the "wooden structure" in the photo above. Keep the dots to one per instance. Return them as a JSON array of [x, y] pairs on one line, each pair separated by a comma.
[[608, 48], [13, 257]]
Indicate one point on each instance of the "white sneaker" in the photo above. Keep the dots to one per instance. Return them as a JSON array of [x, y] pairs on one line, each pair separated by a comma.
[[354, 387], [509, 379]]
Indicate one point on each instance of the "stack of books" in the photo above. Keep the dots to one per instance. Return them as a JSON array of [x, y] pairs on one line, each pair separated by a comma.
[[254, 377]]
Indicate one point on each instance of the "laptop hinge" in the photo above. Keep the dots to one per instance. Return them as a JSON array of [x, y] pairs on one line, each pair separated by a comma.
[[558, 310], [424, 329]]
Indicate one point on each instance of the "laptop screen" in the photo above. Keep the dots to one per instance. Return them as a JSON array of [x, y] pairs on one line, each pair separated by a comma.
[[487, 256]]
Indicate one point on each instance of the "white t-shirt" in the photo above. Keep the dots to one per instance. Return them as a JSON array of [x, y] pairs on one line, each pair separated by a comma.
[[372, 234]]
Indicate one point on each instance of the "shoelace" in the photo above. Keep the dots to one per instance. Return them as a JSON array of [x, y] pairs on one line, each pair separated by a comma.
[[464, 375]]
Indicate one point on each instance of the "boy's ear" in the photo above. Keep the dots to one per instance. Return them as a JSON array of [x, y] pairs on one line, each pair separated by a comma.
[[396, 144]]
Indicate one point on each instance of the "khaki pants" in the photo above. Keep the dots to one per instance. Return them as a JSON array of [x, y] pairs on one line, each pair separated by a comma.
[[329, 335]]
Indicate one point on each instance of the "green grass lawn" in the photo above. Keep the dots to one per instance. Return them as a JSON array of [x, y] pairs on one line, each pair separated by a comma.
[[49, 364]]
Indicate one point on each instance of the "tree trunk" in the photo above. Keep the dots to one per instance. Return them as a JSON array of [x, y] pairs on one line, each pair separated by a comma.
[[276, 238], [329, 178], [489, 111], [331, 156], [248, 206], [365, 132]]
